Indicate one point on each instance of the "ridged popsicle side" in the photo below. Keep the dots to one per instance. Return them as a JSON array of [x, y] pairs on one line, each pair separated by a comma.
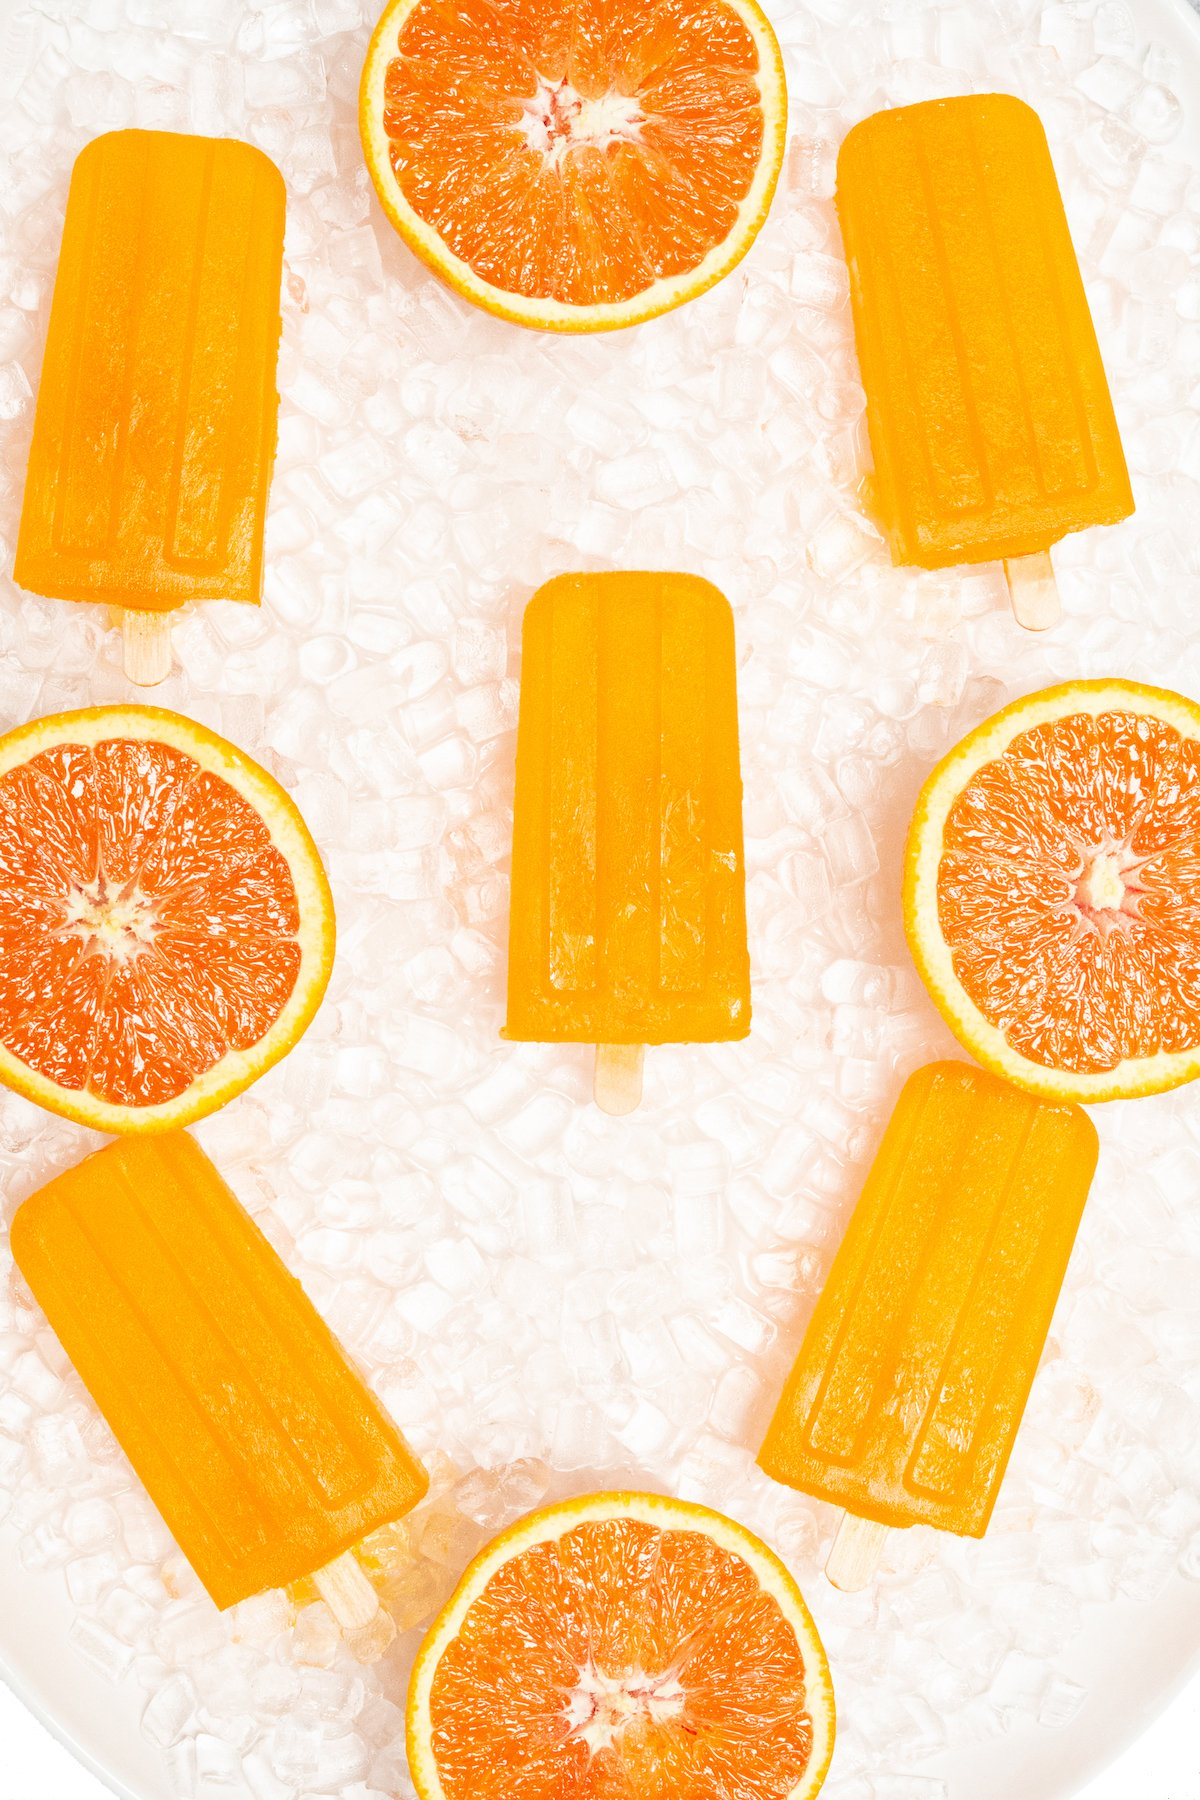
[[262, 1448], [154, 435], [628, 921], [904, 1402], [990, 418]]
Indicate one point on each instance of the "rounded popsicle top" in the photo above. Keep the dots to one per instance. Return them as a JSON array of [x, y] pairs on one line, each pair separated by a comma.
[[38, 1220], [626, 586], [1006, 110], [973, 1085], [239, 160]]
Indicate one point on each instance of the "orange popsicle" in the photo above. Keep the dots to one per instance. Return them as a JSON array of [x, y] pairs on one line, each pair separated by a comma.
[[989, 413], [262, 1448], [155, 427], [910, 1384], [628, 922]]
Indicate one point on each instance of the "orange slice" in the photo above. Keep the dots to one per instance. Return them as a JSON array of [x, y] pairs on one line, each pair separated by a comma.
[[1052, 890], [166, 928], [620, 1647], [575, 164]]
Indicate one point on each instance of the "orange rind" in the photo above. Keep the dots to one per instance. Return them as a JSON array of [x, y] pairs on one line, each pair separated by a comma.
[[166, 926], [1050, 891], [622, 1643], [574, 167]]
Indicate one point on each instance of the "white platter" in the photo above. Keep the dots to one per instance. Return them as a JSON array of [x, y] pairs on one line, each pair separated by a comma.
[[1131, 1659]]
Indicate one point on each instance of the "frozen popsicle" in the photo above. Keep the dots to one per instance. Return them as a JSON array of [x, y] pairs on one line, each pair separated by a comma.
[[991, 425], [155, 427], [910, 1384], [628, 922], [264, 1451]]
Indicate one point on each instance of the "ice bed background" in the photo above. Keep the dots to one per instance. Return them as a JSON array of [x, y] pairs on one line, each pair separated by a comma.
[[548, 1299]]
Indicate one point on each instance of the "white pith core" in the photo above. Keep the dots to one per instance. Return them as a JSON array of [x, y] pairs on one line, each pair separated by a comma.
[[600, 1707], [1107, 888], [110, 918], [557, 119]]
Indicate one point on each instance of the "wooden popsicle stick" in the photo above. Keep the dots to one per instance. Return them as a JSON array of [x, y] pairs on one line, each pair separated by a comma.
[[1033, 591], [617, 1085], [147, 645], [344, 1587], [857, 1548]]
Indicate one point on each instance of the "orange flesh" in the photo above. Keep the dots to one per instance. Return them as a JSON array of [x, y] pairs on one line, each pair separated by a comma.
[[1066, 891], [147, 922], [621, 1660], [576, 151]]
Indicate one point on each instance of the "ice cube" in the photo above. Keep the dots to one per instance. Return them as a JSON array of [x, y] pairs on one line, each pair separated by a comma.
[[169, 1712], [101, 1649]]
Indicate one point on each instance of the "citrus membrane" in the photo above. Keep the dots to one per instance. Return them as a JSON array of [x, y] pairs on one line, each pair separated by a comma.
[[578, 165], [1050, 892], [166, 929]]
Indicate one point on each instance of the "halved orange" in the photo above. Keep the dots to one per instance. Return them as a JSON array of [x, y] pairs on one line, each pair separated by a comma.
[[575, 164], [622, 1647], [1052, 890], [166, 928]]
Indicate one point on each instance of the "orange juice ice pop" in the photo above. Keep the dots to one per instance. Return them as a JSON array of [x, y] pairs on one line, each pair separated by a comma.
[[154, 435], [628, 923], [988, 408], [264, 1451], [910, 1384]]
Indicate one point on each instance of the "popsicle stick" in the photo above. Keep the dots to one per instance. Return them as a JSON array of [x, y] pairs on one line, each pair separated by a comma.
[[1033, 591], [344, 1587], [617, 1085], [856, 1551], [147, 645]]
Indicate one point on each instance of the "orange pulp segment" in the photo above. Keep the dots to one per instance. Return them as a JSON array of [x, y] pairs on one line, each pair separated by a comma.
[[150, 918], [622, 1645], [581, 163], [1061, 843]]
